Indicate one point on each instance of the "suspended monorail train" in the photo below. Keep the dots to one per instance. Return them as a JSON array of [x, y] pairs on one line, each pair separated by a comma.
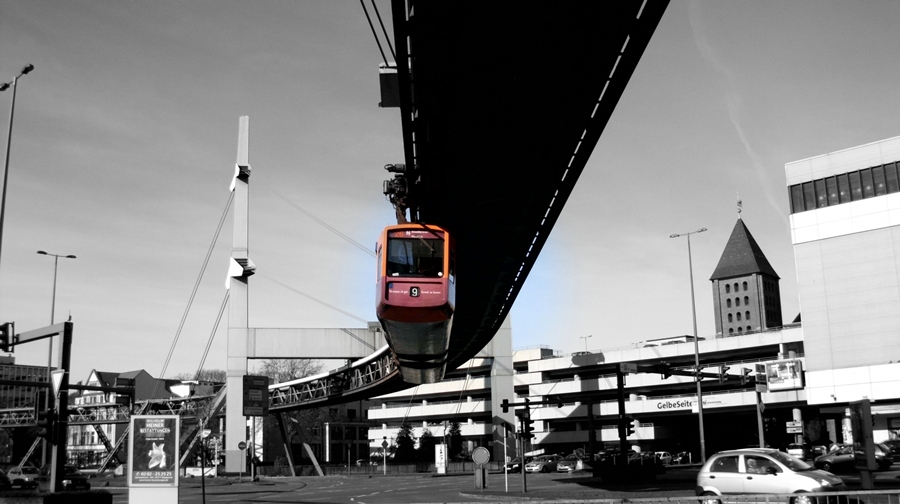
[[415, 297]]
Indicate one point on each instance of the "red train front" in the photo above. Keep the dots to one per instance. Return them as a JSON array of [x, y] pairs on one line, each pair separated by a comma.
[[415, 297]]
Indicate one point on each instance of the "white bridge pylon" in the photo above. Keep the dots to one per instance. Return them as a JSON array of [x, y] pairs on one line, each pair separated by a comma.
[[245, 342]]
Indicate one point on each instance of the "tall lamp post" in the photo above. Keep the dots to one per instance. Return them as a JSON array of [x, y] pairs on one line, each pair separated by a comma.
[[47, 403], [12, 109], [585, 338], [696, 344]]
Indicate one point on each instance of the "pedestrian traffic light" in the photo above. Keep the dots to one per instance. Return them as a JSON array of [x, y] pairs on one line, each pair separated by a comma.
[[723, 369], [45, 425], [7, 337], [745, 375]]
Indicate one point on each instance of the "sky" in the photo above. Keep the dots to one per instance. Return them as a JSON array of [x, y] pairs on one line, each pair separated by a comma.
[[125, 138]]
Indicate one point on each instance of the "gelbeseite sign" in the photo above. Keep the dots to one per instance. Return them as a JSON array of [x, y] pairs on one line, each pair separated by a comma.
[[153, 456]]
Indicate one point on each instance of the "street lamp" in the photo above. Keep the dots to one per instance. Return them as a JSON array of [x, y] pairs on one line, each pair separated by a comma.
[[585, 338], [52, 321], [696, 344], [12, 108], [55, 269]]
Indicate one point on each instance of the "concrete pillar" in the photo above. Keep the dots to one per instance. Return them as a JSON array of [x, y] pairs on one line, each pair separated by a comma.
[[502, 374], [238, 319]]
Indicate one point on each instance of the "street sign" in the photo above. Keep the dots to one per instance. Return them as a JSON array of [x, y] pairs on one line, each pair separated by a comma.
[[481, 455], [795, 430], [56, 376], [242, 445], [794, 424], [384, 444], [256, 395], [628, 367]]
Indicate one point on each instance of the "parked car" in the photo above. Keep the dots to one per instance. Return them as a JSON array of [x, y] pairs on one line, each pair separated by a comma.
[[515, 465], [682, 458], [568, 464], [664, 457], [842, 460], [543, 463], [894, 445], [5, 484], [763, 471], [797, 450], [73, 479], [25, 477]]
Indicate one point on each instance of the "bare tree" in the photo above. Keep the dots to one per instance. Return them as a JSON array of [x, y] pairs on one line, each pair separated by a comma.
[[282, 370], [303, 423], [205, 375]]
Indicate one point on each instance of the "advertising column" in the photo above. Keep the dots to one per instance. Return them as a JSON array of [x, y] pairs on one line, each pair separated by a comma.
[[153, 459]]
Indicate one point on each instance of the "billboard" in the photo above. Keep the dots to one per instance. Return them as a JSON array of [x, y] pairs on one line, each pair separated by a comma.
[[784, 375], [153, 451]]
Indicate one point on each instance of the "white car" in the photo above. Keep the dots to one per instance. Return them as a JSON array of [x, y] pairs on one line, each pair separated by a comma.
[[544, 463], [25, 477], [664, 457], [763, 471]]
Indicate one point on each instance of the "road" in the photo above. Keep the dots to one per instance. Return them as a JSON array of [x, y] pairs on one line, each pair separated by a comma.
[[425, 488]]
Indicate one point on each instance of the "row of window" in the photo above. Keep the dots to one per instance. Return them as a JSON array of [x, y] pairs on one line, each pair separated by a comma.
[[853, 186], [737, 302], [728, 287], [746, 316], [740, 330]]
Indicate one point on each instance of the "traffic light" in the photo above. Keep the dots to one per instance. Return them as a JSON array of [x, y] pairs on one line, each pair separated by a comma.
[[722, 370], [525, 421], [45, 425], [630, 424], [505, 405], [745, 375], [7, 337]]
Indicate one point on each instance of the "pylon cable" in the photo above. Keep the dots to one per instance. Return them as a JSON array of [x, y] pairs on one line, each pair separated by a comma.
[[187, 308]]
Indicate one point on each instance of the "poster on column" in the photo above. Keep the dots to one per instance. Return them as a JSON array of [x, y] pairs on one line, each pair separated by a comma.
[[153, 457]]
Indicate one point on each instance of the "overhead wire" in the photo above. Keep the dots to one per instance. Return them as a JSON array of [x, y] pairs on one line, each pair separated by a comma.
[[325, 224], [384, 31], [372, 27], [212, 335], [187, 309], [323, 303]]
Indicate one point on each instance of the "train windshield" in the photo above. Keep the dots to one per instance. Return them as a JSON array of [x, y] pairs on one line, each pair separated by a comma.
[[415, 253]]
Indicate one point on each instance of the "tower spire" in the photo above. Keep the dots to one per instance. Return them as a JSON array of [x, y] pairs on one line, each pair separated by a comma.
[[739, 204]]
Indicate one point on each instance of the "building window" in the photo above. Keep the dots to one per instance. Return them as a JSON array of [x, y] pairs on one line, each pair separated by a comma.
[[739, 316], [748, 329], [745, 285], [735, 287], [746, 301], [727, 288], [737, 301], [730, 330], [853, 186], [821, 195], [843, 188], [878, 178], [728, 303], [831, 187], [729, 318], [746, 315], [856, 192], [740, 330]]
